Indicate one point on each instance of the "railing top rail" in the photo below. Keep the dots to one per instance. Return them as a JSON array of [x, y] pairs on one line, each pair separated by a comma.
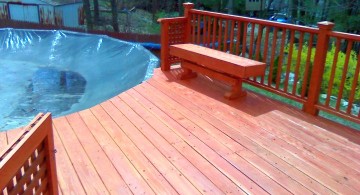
[[171, 19], [348, 36], [257, 21]]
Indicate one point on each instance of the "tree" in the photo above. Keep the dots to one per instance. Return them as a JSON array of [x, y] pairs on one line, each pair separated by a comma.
[[96, 11], [89, 23], [114, 12], [181, 8], [154, 8], [230, 7]]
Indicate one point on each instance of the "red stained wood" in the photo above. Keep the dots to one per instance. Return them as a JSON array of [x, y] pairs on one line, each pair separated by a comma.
[[69, 181], [219, 61], [3, 141], [84, 168], [107, 170], [171, 136], [129, 158]]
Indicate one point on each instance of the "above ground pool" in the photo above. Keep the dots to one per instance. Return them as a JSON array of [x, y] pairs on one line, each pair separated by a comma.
[[64, 72]]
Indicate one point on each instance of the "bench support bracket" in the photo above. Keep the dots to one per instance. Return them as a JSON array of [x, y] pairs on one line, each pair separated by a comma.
[[235, 83]]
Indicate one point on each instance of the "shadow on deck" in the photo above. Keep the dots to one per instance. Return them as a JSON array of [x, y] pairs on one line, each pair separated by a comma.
[[171, 136]]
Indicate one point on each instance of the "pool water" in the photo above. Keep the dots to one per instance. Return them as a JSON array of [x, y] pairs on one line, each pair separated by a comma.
[[63, 72]]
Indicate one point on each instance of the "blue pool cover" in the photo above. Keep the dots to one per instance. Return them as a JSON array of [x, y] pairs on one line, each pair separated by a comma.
[[64, 72]]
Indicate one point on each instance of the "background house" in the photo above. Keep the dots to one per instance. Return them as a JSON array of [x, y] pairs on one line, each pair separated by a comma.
[[67, 13]]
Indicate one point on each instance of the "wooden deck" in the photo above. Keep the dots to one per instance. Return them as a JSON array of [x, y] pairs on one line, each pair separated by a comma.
[[182, 137]]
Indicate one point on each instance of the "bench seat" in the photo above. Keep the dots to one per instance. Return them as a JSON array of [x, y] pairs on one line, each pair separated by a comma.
[[217, 64]]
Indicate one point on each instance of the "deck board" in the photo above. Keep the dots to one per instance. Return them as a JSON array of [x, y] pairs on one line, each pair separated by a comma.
[[228, 149], [248, 144], [69, 182], [182, 137], [193, 127], [266, 138]]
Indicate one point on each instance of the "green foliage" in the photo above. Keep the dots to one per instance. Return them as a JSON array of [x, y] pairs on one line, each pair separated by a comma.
[[303, 55], [220, 5], [339, 70]]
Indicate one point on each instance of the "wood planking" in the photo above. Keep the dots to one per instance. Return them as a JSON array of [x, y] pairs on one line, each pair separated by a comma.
[[213, 143], [343, 168], [3, 141], [166, 169], [196, 159], [68, 179], [230, 152], [339, 147], [85, 170], [133, 179], [239, 163], [105, 168], [138, 115], [179, 181], [230, 171], [136, 164], [208, 106], [272, 159], [339, 171]]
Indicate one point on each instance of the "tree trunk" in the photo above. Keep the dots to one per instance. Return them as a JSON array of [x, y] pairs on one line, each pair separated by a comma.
[[230, 7], [89, 23], [181, 8], [96, 11], [154, 9], [269, 5], [114, 13]]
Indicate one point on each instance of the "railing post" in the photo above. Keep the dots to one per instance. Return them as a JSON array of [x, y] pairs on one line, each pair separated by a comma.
[[187, 8], [164, 53], [318, 67]]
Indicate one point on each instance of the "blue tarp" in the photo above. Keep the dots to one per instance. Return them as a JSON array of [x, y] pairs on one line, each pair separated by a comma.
[[38, 66]]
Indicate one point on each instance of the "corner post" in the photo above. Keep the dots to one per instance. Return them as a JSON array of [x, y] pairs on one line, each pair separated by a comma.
[[187, 8], [164, 54], [318, 67]]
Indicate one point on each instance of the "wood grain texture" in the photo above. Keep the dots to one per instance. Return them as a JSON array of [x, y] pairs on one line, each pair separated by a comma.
[[218, 61], [168, 136]]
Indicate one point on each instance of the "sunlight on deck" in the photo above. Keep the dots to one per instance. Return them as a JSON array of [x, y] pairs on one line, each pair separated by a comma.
[[171, 136]]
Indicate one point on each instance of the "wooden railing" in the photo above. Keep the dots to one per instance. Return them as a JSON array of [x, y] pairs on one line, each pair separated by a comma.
[[28, 165], [340, 86], [296, 56]]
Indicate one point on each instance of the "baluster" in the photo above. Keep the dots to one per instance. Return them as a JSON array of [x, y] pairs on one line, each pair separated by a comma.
[[298, 62], [266, 47], [308, 68], [332, 74], [232, 37], [215, 23], [281, 57], [237, 52], [244, 39], [273, 52], [288, 66], [226, 35], [344, 73], [354, 85], [220, 34]]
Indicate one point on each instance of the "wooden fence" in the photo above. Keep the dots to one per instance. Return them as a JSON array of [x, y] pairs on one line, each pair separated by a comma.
[[304, 64]]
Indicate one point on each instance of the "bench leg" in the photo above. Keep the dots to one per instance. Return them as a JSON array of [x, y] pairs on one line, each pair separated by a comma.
[[236, 91], [187, 74]]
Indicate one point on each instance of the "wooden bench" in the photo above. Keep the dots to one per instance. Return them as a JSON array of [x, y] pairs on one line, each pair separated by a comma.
[[219, 65]]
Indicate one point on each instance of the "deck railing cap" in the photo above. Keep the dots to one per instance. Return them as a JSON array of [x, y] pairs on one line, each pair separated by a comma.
[[326, 25], [188, 4]]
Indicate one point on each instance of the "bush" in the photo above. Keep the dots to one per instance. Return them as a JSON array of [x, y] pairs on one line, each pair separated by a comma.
[[338, 71]]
